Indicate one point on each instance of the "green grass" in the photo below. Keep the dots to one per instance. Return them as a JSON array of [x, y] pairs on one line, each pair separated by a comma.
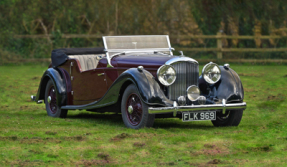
[[28, 137]]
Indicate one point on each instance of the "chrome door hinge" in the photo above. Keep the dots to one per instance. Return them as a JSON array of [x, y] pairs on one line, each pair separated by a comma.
[[71, 68], [72, 78], [72, 92]]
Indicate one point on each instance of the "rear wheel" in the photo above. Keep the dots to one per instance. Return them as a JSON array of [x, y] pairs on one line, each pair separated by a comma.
[[229, 118], [52, 108], [134, 111]]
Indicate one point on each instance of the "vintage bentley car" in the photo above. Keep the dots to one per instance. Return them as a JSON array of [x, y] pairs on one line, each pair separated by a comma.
[[140, 77]]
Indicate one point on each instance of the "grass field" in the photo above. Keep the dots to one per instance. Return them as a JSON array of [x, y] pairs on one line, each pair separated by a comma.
[[28, 137]]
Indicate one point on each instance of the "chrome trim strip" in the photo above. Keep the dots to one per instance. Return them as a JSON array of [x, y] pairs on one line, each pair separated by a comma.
[[224, 106], [134, 36], [170, 48], [210, 107], [107, 54], [178, 59], [139, 50]]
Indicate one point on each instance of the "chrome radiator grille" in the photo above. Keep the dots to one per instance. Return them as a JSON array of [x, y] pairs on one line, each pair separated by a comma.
[[186, 75]]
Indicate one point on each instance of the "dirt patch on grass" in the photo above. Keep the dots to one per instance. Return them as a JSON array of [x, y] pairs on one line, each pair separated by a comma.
[[266, 148], [240, 161], [120, 137], [50, 133], [279, 97], [138, 144], [104, 156], [52, 156], [27, 163], [166, 163], [249, 90], [12, 138], [238, 131], [282, 138], [38, 140], [215, 161], [35, 151], [216, 151], [149, 135], [36, 78], [29, 108], [212, 149], [92, 162], [209, 146], [77, 138]]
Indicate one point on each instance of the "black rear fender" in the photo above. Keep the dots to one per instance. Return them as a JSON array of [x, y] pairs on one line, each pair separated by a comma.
[[60, 85]]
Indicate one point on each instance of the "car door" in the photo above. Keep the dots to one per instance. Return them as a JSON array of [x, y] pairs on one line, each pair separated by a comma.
[[88, 86]]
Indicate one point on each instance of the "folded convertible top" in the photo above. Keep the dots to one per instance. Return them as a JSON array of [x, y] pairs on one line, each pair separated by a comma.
[[60, 56]]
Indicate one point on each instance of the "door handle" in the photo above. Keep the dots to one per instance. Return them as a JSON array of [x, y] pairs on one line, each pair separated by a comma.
[[101, 74]]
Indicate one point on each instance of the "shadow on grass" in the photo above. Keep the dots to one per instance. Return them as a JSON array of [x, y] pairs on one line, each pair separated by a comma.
[[116, 120], [107, 118], [113, 119]]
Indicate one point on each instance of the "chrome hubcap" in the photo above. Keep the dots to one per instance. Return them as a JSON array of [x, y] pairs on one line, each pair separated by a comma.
[[130, 109], [49, 99]]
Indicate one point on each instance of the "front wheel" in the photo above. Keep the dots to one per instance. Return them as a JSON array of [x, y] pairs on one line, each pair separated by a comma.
[[229, 118], [52, 108], [134, 111]]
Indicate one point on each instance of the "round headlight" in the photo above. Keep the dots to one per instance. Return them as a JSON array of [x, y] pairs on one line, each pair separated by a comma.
[[193, 93], [166, 75], [211, 73]]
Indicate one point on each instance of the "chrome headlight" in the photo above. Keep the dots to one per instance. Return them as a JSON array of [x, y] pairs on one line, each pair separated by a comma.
[[211, 73], [166, 75]]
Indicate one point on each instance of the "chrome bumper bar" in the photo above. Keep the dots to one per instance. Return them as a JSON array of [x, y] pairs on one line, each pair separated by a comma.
[[209, 107]]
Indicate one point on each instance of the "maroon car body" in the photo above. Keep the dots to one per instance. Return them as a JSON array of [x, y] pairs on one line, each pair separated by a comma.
[[133, 82]]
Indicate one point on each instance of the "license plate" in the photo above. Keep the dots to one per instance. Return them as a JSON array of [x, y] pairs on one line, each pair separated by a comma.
[[198, 116]]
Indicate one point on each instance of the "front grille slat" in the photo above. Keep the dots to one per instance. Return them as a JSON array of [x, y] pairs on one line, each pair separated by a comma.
[[186, 75]]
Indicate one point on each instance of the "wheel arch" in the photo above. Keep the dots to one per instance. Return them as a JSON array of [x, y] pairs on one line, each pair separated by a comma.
[[42, 88], [147, 87], [229, 87], [60, 85], [122, 90]]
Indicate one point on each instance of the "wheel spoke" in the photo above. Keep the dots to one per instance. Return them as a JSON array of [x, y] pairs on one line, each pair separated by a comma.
[[53, 104], [136, 115]]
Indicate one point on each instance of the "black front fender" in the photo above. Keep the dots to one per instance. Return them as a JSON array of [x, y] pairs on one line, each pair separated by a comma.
[[229, 87], [60, 86], [148, 87]]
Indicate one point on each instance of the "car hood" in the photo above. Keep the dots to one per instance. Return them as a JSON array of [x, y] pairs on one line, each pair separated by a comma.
[[145, 60]]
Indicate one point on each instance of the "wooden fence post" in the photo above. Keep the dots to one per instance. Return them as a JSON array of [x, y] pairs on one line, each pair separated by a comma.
[[219, 45]]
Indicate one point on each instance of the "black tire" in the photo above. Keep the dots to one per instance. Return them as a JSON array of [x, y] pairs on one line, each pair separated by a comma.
[[230, 118], [52, 108], [139, 116]]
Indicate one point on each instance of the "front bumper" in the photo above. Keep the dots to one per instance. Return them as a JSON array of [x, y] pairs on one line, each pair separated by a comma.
[[209, 107]]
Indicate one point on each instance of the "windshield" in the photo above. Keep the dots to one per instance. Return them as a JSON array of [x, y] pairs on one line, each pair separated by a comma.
[[143, 43]]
